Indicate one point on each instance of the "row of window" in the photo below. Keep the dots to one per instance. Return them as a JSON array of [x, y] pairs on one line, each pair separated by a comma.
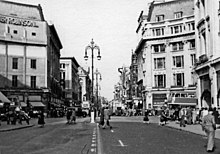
[[15, 81], [15, 31], [173, 29], [178, 62], [177, 46], [161, 17], [160, 80], [33, 63]]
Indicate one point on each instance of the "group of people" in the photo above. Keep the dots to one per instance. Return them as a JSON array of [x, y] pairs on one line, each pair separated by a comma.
[[207, 118], [71, 116], [105, 116]]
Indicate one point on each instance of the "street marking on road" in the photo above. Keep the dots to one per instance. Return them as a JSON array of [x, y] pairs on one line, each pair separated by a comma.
[[121, 143], [112, 131]]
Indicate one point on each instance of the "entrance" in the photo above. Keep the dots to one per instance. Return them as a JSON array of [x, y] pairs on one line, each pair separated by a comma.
[[206, 98]]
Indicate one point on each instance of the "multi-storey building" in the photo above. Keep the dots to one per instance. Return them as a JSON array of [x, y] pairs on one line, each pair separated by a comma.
[[135, 93], [166, 51], [86, 85], [29, 55], [70, 80], [207, 21]]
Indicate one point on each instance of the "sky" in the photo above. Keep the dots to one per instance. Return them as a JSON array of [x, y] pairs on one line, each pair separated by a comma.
[[111, 23]]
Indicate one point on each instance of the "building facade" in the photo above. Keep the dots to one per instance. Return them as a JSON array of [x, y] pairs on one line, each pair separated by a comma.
[[70, 80], [166, 51], [207, 21], [86, 85], [29, 55]]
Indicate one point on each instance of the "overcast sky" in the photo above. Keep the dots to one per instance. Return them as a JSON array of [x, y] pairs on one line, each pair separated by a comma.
[[111, 23]]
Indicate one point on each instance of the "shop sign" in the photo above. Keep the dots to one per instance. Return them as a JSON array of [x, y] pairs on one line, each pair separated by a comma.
[[20, 22]]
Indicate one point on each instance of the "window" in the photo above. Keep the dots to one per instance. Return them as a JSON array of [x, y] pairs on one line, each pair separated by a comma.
[[14, 81], [177, 46], [158, 31], [178, 61], [14, 63], [160, 80], [176, 29], [15, 31], [33, 63], [193, 59], [178, 15], [33, 34], [192, 44], [159, 48], [159, 63], [62, 65], [33, 81], [178, 79], [159, 18]]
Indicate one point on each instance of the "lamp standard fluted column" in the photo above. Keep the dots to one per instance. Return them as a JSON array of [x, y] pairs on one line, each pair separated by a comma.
[[92, 46]]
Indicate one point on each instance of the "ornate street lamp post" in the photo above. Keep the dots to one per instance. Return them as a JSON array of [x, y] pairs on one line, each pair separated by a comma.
[[97, 73], [92, 46]]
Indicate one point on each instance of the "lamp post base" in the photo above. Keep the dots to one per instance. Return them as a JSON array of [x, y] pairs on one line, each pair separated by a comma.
[[92, 117]]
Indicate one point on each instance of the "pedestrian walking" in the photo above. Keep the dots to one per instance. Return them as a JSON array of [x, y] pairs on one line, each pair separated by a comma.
[[106, 118], [68, 116], [73, 116], [194, 115], [209, 126], [183, 117], [146, 118], [41, 121], [101, 121]]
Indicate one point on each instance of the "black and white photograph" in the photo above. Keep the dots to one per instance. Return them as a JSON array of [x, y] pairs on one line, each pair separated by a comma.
[[109, 76]]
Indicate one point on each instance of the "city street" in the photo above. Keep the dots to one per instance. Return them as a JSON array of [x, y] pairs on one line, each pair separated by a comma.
[[55, 138], [128, 136], [134, 137]]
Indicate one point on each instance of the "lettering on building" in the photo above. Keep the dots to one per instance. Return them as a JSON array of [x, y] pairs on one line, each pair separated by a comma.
[[19, 22]]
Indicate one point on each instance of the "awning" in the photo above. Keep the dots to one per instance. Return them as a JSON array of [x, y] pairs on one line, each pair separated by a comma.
[[37, 104], [185, 101], [3, 98]]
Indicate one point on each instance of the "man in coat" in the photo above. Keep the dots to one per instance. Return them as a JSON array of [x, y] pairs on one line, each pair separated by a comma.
[[209, 126]]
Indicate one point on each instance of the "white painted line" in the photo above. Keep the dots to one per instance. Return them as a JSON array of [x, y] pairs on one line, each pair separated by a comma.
[[121, 143], [93, 150], [93, 145]]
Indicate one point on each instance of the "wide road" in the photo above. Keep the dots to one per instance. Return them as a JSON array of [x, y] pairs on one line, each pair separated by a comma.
[[131, 136], [54, 138]]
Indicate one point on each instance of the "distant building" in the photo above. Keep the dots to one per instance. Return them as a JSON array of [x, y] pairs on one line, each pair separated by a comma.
[[207, 21], [29, 55], [86, 84], [70, 80], [166, 51]]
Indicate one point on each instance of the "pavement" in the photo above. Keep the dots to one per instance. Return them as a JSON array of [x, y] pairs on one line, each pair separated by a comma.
[[196, 129], [33, 122]]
